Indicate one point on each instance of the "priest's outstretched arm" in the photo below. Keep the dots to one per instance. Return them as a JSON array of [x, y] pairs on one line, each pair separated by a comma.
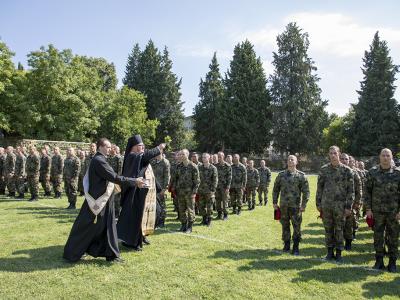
[[150, 154], [105, 170]]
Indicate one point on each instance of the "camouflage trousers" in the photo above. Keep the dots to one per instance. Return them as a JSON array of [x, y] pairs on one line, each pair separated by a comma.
[[71, 189], [185, 206], [56, 182], [221, 200], [3, 184], [45, 181], [351, 224], [161, 200], [206, 204], [33, 185], [251, 196], [236, 195], [333, 219], [11, 183], [263, 194], [291, 215], [386, 223], [20, 184]]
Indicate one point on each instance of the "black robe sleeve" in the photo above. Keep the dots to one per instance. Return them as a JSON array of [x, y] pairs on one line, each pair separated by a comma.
[[106, 172], [149, 155]]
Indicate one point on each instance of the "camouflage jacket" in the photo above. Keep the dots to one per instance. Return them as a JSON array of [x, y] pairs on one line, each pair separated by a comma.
[[357, 187], [186, 178], [208, 179], [265, 176], [253, 178], [239, 176], [20, 164], [72, 167], [224, 171], [57, 164], [293, 189], [161, 169], [45, 165], [115, 163], [382, 190], [32, 165], [9, 164], [335, 187]]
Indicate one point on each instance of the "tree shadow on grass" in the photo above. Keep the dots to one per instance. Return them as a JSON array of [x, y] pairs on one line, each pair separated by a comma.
[[61, 214], [380, 289], [41, 259]]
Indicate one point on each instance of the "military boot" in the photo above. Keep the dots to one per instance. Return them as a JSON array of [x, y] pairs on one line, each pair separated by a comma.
[[347, 245], [295, 250], [379, 265], [189, 227], [392, 265], [339, 258], [209, 221], [225, 216], [286, 247], [329, 255], [183, 227], [204, 222]]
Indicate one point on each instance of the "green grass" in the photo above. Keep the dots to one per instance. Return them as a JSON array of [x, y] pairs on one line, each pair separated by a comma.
[[236, 259]]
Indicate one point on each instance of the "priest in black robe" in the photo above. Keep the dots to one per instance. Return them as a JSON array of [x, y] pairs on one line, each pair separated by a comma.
[[136, 161], [96, 234]]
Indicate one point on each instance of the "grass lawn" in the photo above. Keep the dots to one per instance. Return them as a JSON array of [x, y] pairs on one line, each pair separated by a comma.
[[236, 259]]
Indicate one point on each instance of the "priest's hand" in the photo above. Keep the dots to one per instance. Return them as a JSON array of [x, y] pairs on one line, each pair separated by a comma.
[[162, 146], [140, 182]]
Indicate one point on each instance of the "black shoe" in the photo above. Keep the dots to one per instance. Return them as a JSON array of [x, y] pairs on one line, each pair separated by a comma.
[[208, 222], [115, 260], [189, 227], [146, 241], [330, 255], [204, 221], [347, 245], [183, 227], [392, 265], [137, 249], [239, 211], [71, 206], [162, 224], [219, 216], [234, 211], [21, 196], [295, 250], [379, 265], [34, 198], [225, 216], [339, 258], [286, 246]]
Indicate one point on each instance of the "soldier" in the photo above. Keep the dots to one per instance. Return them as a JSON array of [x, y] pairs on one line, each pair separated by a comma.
[[224, 171], [253, 181], [358, 191], [245, 164], [81, 155], [208, 185], [45, 165], [32, 173], [292, 186], [195, 159], [265, 179], [56, 172], [335, 196], [161, 168], [383, 205], [229, 159], [72, 167], [214, 159], [20, 174], [238, 184], [9, 169], [186, 182], [2, 179]]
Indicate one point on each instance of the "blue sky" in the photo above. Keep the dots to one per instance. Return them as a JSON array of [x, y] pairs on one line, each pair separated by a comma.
[[340, 32]]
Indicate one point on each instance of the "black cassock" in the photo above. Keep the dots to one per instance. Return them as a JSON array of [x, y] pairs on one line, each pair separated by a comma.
[[96, 239], [133, 199]]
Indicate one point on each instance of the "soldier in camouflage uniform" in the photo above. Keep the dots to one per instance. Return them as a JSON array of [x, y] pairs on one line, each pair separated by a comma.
[[9, 169], [292, 186], [32, 173], [195, 159], [364, 173], [207, 188], [229, 159], [161, 168], [214, 159], [72, 167], [186, 182], [20, 174], [356, 208], [335, 196], [246, 165], [45, 165], [265, 179], [81, 156], [238, 184], [2, 179], [56, 172], [224, 184], [382, 201], [253, 182]]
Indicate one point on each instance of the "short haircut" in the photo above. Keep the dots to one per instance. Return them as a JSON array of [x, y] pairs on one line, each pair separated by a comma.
[[101, 142]]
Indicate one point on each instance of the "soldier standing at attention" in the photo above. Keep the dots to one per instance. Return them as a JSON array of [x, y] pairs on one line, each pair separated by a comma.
[[238, 184], [45, 165], [229, 159], [208, 185], [9, 170], [382, 202], [195, 159], [253, 181], [56, 172], [245, 164], [265, 179], [224, 184], [3, 182], [72, 167], [335, 196], [20, 174], [292, 187], [32, 173]]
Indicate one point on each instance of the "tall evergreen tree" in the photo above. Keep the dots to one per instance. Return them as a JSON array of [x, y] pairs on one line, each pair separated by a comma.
[[299, 111], [376, 123], [131, 67], [247, 104], [208, 112]]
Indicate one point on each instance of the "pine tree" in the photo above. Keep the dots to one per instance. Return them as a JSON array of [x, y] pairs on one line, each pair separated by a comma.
[[376, 123], [247, 103], [208, 112], [299, 112]]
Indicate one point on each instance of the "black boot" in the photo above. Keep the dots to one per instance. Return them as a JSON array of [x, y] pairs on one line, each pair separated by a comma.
[[208, 221], [347, 245], [34, 198], [219, 216], [162, 223], [330, 255], [379, 265], [239, 211], [286, 247], [189, 227], [225, 216], [392, 265], [146, 241], [183, 227], [339, 258], [71, 206], [234, 211], [295, 250], [204, 222]]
